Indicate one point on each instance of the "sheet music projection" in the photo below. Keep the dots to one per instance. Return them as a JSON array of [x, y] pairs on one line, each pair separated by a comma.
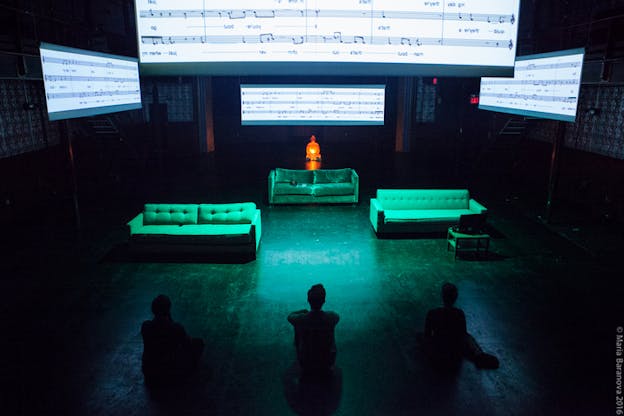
[[312, 104], [545, 86], [79, 83], [468, 32]]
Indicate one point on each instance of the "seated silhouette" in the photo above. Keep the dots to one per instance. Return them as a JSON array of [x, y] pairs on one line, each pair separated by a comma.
[[446, 339], [314, 334], [313, 150], [169, 353]]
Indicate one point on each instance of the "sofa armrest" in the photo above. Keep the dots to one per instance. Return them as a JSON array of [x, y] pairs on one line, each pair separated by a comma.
[[477, 207], [271, 184], [256, 224], [355, 180], [376, 214], [135, 223]]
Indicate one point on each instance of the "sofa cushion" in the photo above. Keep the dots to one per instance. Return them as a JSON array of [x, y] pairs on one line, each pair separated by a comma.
[[424, 215], [169, 214], [332, 175], [288, 189], [239, 213], [293, 175], [423, 199], [332, 189]]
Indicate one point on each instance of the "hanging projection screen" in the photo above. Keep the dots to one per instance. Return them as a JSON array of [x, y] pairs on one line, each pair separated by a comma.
[[312, 104], [327, 37], [80, 83], [545, 86]]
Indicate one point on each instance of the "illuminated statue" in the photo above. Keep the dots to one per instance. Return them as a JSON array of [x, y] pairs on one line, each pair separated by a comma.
[[313, 150]]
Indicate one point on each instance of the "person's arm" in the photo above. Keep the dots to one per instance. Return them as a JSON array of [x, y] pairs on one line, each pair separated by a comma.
[[296, 315], [182, 338], [334, 317], [428, 328], [463, 322]]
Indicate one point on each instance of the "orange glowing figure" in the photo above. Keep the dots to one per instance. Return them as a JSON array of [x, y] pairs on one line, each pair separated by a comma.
[[313, 150]]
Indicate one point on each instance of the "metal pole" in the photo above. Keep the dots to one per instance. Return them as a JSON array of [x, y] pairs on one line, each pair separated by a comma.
[[554, 169], [70, 152], [404, 113]]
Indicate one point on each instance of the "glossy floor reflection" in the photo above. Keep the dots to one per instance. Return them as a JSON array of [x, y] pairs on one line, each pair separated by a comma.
[[544, 307]]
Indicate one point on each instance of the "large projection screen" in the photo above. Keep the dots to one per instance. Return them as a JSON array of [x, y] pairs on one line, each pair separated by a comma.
[[545, 86], [327, 37], [335, 105], [80, 83]]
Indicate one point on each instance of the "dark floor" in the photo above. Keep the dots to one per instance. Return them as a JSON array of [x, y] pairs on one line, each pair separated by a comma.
[[544, 303]]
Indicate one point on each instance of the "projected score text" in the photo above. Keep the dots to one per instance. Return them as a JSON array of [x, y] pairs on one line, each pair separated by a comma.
[[469, 32], [545, 85], [79, 81], [328, 105]]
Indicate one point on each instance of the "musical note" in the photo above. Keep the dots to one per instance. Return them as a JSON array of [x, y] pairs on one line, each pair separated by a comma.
[[264, 14], [237, 14], [266, 37]]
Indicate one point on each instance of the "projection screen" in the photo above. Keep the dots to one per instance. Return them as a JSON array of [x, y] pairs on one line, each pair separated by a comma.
[[327, 37], [545, 86], [312, 104], [81, 83]]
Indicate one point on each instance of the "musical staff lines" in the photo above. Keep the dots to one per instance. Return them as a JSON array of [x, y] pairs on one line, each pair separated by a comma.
[[533, 97], [78, 81], [345, 104], [431, 32], [348, 14], [90, 94], [335, 38]]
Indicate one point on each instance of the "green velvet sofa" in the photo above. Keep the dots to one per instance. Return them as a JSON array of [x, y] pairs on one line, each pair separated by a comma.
[[322, 186], [197, 228], [420, 210]]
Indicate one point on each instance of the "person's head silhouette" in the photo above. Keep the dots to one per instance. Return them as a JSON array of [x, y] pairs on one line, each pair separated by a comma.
[[316, 297], [449, 294], [161, 306], [313, 138]]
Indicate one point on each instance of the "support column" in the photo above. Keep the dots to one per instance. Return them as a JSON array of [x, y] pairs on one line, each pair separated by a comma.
[[205, 120], [405, 90]]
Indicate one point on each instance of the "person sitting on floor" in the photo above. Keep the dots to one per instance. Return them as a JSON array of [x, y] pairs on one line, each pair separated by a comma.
[[446, 338], [314, 334], [168, 351]]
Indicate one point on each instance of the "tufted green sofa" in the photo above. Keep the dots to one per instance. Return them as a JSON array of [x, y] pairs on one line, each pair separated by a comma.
[[322, 186], [420, 210], [197, 228]]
